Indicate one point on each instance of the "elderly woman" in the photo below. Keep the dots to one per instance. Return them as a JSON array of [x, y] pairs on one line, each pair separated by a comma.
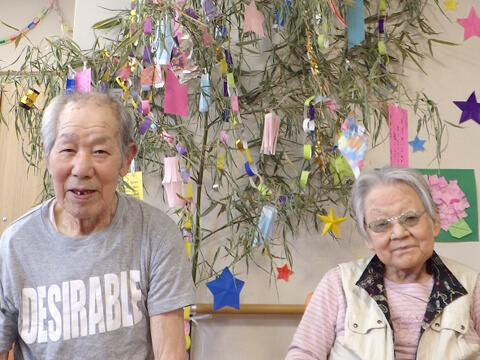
[[404, 302], [92, 273]]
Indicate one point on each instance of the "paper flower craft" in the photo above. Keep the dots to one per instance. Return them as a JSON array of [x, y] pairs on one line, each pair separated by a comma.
[[331, 222], [471, 24], [417, 144], [284, 272], [253, 20], [470, 109], [226, 290], [450, 200]]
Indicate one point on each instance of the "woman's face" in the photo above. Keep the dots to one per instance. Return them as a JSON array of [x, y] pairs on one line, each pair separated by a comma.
[[403, 249]]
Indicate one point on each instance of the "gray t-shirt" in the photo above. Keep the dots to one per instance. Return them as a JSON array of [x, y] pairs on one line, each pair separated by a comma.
[[90, 297]]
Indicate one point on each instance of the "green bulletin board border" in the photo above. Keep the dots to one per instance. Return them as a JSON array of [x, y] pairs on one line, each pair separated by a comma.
[[466, 181]]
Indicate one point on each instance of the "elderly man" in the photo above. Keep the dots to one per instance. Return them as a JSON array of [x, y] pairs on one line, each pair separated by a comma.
[[92, 273]]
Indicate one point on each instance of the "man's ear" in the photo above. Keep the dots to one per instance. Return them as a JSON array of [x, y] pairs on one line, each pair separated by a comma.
[[131, 152]]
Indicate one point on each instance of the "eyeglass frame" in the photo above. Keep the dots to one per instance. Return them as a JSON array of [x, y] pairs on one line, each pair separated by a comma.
[[389, 221]]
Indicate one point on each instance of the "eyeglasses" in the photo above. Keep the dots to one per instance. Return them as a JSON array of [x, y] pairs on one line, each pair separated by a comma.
[[410, 218]]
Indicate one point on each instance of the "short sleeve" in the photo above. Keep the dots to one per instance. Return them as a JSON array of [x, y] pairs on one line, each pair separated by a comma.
[[170, 283]]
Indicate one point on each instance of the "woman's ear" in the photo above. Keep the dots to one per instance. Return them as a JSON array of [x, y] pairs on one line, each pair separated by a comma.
[[368, 243], [436, 225]]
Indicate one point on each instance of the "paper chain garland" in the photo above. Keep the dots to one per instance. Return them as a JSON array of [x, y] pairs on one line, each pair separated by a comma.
[[51, 5]]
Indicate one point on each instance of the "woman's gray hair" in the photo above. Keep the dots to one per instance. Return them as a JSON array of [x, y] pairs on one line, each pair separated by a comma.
[[388, 175], [51, 118]]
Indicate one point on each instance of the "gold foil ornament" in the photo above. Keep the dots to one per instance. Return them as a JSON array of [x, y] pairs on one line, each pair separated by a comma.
[[29, 98]]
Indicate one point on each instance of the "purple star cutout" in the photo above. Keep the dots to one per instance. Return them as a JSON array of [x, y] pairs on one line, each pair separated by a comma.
[[470, 109], [226, 290], [417, 144]]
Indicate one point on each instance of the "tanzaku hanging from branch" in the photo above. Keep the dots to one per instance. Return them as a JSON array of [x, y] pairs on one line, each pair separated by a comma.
[[254, 131]]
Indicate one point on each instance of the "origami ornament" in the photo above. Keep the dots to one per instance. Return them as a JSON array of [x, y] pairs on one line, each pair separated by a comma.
[[331, 222], [353, 143], [270, 134], [470, 109], [164, 48], [417, 144], [471, 24], [226, 290], [265, 225], [253, 20], [284, 272], [172, 182], [209, 8]]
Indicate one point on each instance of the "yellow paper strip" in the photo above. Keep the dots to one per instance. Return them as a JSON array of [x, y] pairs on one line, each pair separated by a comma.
[[304, 178], [307, 151], [230, 80]]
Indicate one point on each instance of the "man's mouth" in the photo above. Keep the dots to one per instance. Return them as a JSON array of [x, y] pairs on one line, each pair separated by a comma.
[[82, 192]]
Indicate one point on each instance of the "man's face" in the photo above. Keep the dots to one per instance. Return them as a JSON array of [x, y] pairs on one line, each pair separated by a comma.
[[86, 161]]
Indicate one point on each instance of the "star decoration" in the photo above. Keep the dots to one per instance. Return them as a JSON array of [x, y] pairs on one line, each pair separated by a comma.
[[253, 19], [451, 5], [331, 222], [471, 24], [226, 290], [417, 144], [470, 109], [284, 272]]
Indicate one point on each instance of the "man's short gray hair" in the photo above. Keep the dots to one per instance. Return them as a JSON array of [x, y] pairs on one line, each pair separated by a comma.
[[51, 117]]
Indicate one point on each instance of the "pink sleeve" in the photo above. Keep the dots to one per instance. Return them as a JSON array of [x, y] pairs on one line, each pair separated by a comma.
[[322, 321]]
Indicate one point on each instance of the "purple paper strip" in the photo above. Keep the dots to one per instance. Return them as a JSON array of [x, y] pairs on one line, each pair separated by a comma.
[[381, 26], [145, 125], [181, 149], [225, 89]]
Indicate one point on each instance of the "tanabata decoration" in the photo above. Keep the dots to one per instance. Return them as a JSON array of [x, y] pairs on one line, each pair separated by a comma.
[[270, 134], [470, 109], [471, 24], [331, 222], [451, 5], [226, 290], [83, 80], [353, 143], [29, 98], [172, 182], [253, 20], [398, 130], [265, 225], [356, 23], [205, 90], [135, 184], [417, 144], [284, 272]]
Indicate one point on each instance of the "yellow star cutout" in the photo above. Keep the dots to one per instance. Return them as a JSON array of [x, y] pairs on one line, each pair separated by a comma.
[[451, 5], [331, 222]]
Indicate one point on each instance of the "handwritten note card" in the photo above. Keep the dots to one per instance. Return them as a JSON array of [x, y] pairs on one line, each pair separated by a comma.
[[398, 124]]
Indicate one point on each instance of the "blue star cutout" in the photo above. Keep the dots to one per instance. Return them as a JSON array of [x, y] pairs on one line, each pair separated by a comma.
[[226, 290], [417, 144], [470, 109]]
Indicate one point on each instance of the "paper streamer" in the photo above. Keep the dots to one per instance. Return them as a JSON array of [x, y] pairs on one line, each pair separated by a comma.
[[270, 134], [356, 23], [205, 97], [398, 125], [172, 182]]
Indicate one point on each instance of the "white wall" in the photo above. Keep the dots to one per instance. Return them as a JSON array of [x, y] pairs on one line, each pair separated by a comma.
[[452, 75]]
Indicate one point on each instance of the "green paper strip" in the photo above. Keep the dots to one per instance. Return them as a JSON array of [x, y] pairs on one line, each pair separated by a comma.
[[230, 81], [304, 178], [307, 151], [382, 48], [383, 5]]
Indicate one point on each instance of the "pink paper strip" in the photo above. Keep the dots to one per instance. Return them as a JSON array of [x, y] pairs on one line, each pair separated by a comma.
[[145, 107], [176, 96], [83, 80], [398, 125], [235, 103]]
